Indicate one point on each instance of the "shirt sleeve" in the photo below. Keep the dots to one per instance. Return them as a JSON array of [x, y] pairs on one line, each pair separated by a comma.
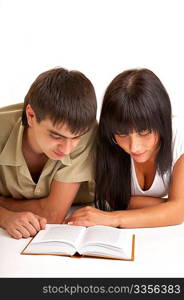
[[82, 160]]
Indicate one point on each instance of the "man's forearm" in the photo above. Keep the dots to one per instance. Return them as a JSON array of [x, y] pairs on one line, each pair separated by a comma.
[[3, 214], [35, 205], [40, 207]]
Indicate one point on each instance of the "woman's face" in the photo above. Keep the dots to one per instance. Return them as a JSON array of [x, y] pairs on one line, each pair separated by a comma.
[[142, 146]]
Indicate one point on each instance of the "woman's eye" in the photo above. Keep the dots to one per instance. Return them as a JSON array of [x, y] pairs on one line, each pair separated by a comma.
[[144, 133], [122, 135]]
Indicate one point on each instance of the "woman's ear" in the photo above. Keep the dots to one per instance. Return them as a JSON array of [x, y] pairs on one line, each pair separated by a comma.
[[31, 117]]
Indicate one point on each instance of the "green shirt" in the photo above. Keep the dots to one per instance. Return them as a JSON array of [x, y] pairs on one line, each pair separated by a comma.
[[15, 178]]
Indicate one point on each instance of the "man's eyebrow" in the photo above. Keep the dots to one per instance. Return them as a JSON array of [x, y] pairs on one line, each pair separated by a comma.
[[66, 137]]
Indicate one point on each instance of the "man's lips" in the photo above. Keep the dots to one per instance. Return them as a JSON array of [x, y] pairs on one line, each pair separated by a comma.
[[60, 154]]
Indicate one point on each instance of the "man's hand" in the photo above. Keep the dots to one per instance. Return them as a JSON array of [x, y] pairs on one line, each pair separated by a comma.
[[23, 224]]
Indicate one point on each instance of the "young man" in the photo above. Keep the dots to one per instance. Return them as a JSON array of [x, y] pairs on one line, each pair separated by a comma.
[[46, 151]]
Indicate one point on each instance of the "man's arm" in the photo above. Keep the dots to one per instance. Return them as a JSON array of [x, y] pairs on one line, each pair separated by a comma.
[[21, 224], [53, 208]]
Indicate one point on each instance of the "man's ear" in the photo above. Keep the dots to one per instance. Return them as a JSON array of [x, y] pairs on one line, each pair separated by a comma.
[[31, 117]]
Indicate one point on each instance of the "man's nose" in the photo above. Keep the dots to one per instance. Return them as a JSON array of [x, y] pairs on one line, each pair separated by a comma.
[[67, 146]]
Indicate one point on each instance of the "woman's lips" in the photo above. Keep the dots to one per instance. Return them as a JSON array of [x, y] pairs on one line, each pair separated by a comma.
[[138, 154]]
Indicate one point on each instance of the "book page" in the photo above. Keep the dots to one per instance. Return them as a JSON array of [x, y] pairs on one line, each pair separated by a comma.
[[105, 235], [107, 240], [59, 239], [60, 233]]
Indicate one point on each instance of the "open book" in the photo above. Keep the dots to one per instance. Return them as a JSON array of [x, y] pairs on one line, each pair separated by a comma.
[[68, 240]]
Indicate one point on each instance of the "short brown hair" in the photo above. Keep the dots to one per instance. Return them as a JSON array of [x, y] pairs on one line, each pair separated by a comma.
[[62, 96]]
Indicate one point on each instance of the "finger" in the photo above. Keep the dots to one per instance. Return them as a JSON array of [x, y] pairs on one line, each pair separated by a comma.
[[34, 221], [42, 222], [24, 231], [65, 221], [69, 220], [76, 214], [30, 228], [15, 234], [85, 223], [79, 222]]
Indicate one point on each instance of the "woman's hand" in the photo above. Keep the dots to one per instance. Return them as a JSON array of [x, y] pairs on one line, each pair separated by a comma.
[[89, 216]]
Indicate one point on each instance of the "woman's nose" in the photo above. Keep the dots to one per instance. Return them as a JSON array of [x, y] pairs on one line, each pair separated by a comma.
[[135, 145]]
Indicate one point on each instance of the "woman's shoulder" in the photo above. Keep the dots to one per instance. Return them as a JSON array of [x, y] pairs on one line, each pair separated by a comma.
[[178, 136], [178, 126]]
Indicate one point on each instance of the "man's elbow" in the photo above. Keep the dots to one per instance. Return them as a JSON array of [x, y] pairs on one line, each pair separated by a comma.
[[52, 214], [54, 217], [55, 220]]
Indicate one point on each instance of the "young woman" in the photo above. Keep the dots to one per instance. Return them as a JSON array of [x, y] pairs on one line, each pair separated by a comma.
[[140, 157]]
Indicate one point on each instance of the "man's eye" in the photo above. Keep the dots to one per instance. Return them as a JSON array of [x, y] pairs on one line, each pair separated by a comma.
[[55, 136]]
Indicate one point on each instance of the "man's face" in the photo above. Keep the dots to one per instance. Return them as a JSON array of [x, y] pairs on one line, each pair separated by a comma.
[[54, 141]]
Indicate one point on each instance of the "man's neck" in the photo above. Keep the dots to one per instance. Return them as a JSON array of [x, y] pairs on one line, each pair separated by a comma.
[[29, 144]]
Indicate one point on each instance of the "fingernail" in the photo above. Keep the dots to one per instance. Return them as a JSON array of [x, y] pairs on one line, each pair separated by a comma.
[[70, 223]]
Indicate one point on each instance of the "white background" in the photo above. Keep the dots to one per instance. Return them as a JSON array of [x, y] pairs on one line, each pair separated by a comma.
[[100, 38]]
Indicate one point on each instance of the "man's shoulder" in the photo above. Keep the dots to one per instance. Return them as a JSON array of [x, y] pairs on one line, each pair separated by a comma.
[[14, 108], [9, 115]]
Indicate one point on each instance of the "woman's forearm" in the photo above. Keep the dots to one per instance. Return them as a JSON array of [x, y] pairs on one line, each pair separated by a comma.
[[170, 212], [164, 214], [141, 202]]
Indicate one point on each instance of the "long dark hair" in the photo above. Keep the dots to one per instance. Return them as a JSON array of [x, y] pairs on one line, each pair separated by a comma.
[[134, 100]]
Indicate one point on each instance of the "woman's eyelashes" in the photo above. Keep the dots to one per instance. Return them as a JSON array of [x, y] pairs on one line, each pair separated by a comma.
[[140, 133], [144, 133]]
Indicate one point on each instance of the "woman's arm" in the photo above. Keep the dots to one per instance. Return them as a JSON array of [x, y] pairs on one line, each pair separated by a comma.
[[143, 201], [170, 212]]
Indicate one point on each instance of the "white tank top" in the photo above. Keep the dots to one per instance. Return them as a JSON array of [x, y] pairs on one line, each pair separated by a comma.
[[159, 187]]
